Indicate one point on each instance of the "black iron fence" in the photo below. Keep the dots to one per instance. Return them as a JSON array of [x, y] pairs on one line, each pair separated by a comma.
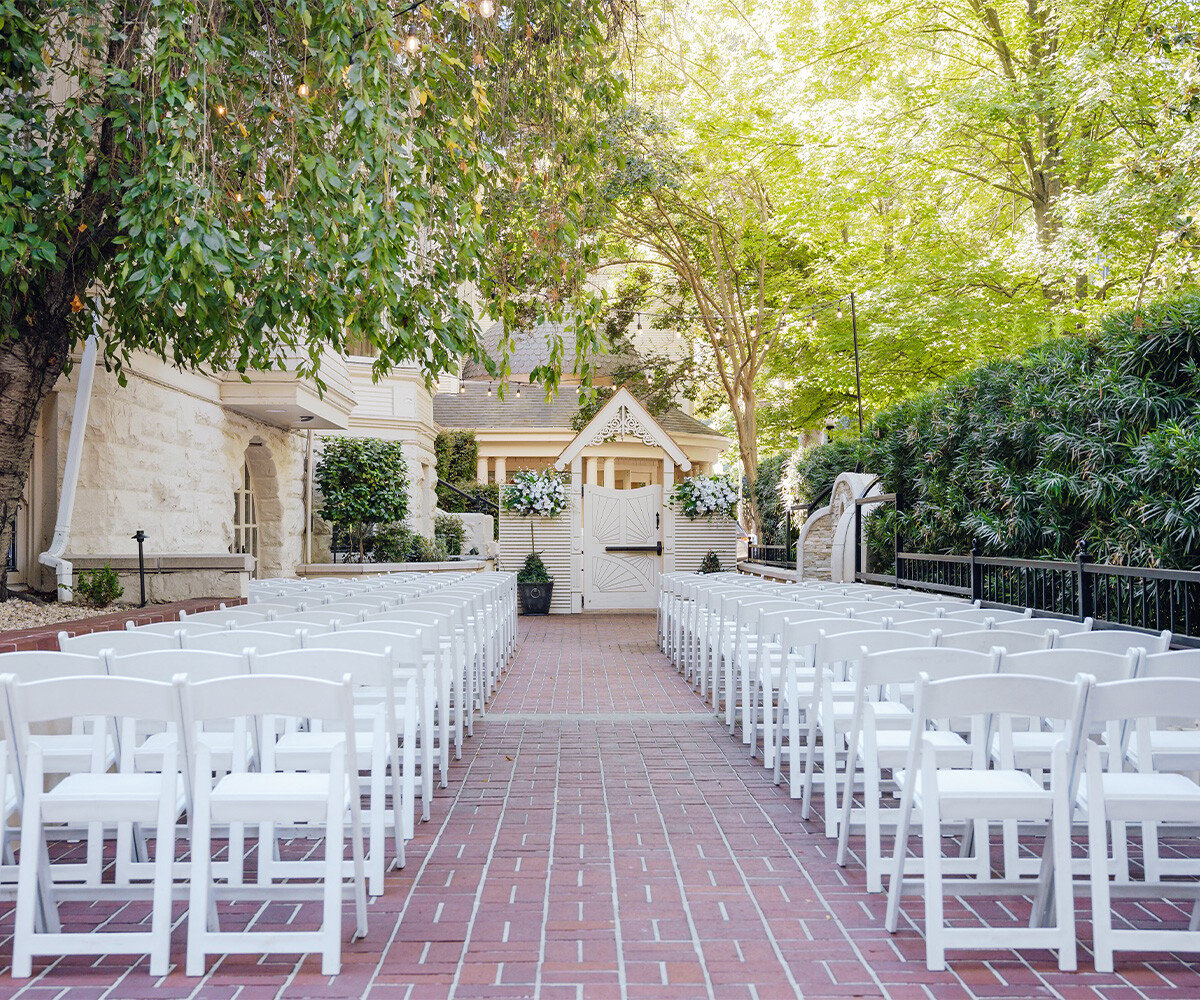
[[773, 555], [1136, 597]]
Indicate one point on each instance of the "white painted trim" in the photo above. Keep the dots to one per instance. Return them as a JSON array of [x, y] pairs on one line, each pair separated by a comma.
[[650, 430]]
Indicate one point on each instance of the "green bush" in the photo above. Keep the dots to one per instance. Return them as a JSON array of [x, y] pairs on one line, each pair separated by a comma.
[[534, 570], [814, 470], [422, 549], [392, 543], [771, 503], [363, 482], [486, 497], [1093, 441], [710, 563], [449, 529], [457, 456], [98, 588]]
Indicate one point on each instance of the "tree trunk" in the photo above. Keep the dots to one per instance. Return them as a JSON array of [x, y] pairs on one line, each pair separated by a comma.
[[29, 367], [747, 431]]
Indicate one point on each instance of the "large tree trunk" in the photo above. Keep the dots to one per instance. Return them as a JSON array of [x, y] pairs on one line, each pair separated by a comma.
[[29, 367], [746, 423]]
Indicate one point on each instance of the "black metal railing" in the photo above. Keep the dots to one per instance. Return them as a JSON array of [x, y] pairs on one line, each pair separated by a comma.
[[773, 555], [478, 504], [1136, 597], [10, 557]]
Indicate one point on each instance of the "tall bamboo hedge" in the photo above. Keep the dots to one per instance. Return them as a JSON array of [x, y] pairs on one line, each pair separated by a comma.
[[1092, 441]]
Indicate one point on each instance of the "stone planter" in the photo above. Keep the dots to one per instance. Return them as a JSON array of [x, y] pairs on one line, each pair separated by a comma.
[[535, 597]]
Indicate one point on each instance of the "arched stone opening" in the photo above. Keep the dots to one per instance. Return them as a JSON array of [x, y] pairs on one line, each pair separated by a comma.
[[259, 478]]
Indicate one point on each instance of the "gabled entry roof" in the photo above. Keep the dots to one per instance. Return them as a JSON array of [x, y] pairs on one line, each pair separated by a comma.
[[622, 416]]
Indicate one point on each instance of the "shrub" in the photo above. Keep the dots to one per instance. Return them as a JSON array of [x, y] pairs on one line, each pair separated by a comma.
[[99, 587], [1093, 441], [422, 549], [710, 563], [392, 543], [534, 570], [770, 501], [812, 471], [449, 529], [363, 482], [457, 456]]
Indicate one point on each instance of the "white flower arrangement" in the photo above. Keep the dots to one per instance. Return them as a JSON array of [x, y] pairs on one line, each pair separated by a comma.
[[704, 496], [536, 494]]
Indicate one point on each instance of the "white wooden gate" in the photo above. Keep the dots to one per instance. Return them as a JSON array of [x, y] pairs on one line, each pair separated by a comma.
[[622, 548]]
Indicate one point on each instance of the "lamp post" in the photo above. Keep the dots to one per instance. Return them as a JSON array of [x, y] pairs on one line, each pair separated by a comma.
[[812, 324]]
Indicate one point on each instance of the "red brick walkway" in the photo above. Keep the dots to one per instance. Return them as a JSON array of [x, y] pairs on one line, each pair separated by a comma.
[[603, 837]]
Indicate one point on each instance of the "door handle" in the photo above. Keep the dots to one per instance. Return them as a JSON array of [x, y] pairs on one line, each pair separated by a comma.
[[635, 548]]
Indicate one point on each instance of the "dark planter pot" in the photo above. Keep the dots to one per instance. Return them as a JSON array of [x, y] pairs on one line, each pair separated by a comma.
[[535, 597]]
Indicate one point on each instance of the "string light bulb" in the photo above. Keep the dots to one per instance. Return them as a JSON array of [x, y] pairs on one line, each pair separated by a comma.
[[302, 90], [412, 44], [489, 389], [220, 110], [639, 321], [486, 8], [518, 391], [839, 312], [462, 388]]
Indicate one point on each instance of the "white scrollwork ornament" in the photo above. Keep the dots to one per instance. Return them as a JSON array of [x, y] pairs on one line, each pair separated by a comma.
[[624, 424]]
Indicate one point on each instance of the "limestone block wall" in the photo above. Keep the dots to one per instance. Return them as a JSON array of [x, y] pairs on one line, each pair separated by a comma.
[[163, 455]]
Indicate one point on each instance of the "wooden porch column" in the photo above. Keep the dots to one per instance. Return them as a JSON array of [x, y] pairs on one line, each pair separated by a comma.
[[668, 515], [481, 469], [590, 465], [501, 474], [610, 473]]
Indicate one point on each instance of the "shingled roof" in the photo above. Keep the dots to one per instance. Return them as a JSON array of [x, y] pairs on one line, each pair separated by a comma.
[[474, 409], [531, 348]]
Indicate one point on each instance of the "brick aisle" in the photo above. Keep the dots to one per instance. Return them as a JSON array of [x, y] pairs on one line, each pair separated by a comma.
[[603, 837]]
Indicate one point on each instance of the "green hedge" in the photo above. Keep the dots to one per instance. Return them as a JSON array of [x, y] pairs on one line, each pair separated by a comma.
[[1083, 440]]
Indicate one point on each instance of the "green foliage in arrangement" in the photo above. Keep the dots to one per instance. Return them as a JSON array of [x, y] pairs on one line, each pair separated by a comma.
[[98, 588], [534, 570], [449, 530], [363, 482], [710, 563], [1082, 441]]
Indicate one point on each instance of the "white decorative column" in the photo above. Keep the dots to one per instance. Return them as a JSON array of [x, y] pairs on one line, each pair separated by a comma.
[[590, 465], [574, 491], [501, 473], [668, 515], [481, 469], [610, 473]]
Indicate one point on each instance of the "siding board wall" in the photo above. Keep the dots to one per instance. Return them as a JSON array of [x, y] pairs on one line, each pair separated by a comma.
[[553, 538]]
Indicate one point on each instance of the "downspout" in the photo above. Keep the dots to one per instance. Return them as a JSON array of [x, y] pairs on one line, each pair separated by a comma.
[[308, 499], [52, 557]]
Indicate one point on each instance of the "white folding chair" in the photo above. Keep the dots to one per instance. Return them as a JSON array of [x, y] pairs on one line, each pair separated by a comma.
[[92, 796], [238, 640], [1042, 626], [978, 796], [120, 642], [1151, 796], [1115, 640], [323, 795], [384, 702], [228, 617], [176, 628], [986, 639], [874, 741]]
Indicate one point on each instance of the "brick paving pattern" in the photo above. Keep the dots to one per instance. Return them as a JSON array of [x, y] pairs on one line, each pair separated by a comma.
[[603, 837]]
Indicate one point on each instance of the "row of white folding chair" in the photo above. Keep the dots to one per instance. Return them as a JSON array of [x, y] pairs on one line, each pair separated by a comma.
[[876, 744], [64, 753], [1109, 798], [158, 800]]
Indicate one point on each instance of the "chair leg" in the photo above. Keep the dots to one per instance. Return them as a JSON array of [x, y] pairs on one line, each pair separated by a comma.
[[1102, 948], [1064, 892], [27, 880], [160, 911], [200, 892], [331, 917], [931, 851]]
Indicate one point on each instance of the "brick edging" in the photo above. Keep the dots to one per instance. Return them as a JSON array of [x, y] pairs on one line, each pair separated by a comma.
[[46, 636]]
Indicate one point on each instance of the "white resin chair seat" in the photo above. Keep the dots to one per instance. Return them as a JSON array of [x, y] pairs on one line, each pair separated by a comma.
[[295, 797], [1128, 796], [1012, 794], [1172, 749], [108, 798]]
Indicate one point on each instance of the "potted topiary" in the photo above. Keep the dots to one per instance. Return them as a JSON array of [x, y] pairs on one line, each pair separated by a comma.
[[534, 586], [533, 494]]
